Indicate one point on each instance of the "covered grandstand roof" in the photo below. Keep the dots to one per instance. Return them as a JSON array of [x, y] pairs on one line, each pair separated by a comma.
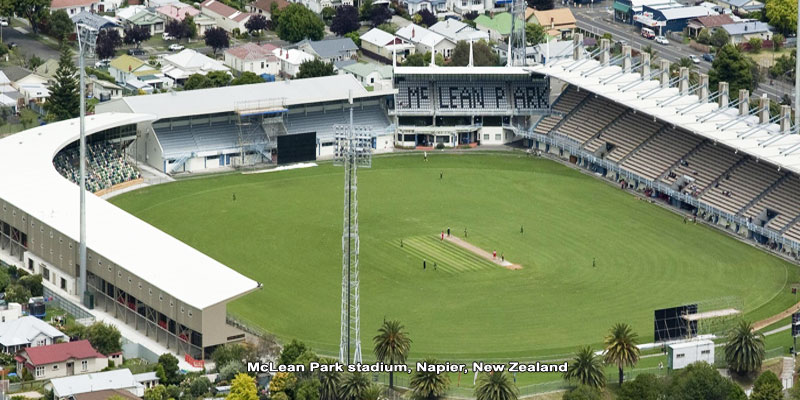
[[221, 100], [154, 256]]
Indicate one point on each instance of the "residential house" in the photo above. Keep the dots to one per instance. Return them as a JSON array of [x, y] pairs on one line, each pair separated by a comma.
[[177, 11], [424, 40], [27, 332], [30, 86], [135, 75], [120, 379], [370, 75], [146, 18], [73, 7], [264, 7], [744, 31], [96, 23], [147, 379], [290, 60], [102, 90], [160, 3], [61, 359], [709, 22], [434, 6], [330, 50], [122, 14], [383, 45], [10, 311], [740, 6], [187, 62], [457, 31], [226, 17], [48, 70], [498, 27], [558, 22], [105, 395], [466, 6], [251, 57], [9, 97], [663, 18], [317, 5]]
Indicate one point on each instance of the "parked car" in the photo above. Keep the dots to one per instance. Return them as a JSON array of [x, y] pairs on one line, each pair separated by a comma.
[[11, 45], [708, 57], [694, 58], [102, 64], [662, 40], [136, 52], [3, 21], [167, 36], [175, 47]]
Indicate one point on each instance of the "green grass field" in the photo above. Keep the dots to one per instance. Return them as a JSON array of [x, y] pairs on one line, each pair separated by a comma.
[[284, 230]]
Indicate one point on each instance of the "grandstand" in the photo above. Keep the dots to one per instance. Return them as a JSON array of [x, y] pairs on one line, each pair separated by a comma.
[[107, 165]]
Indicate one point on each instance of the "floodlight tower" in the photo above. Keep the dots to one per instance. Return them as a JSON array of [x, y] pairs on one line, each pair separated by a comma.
[[516, 41], [85, 36], [353, 151]]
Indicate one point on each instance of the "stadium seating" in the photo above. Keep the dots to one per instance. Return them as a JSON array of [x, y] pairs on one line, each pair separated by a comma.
[[566, 102], [590, 119], [704, 166], [625, 135], [782, 199], [741, 185], [793, 232], [661, 152], [182, 140], [323, 122], [414, 95], [107, 166]]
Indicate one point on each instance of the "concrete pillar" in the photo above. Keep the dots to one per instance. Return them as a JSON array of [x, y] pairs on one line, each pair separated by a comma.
[[724, 96], [744, 102], [786, 118], [763, 109], [683, 83], [664, 73], [626, 61], [577, 47], [605, 51], [645, 65], [703, 94]]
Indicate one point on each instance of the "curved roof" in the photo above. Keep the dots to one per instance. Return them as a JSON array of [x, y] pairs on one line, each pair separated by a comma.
[[140, 248]]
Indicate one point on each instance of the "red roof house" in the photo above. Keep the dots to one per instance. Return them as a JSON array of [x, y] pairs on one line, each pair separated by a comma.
[[61, 359]]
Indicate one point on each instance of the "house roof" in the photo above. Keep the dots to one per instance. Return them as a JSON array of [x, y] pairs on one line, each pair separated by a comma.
[[378, 37], [93, 20], [224, 10], [292, 56], [128, 12], [713, 21], [4, 79], [417, 34], [744, 28], [145, 377], [105, 395], [500, 23], [266, 5], [109, 380], [343, 63], [682, 12], [126, 63], [364, 69], [330, 48], [48, 68], [742, 3], [560, 17], [456, 31], [15, 73], [79, 350], [528, 13], [24, 330], [189, 59], [177, 11], [251, 52], [145, 17], [58, 4]]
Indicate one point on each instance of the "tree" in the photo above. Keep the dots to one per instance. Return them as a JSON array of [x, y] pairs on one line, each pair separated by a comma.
[[731, 66], [429, 385], [482, 53], [104, 338], [329, 383], [496, 386], [189, 27], [219, 78], [417, 60], [107, 42], [755, 44], [33, 282], [136, 34], [782, 14], [243, 387], [246, 78], [391, 344], [217, 38], [256, 24], [199, 386], [170, 365], [427, 17], [541, 5], [352, 35], [5, 279], [158, 392], [59, 25], [767, 387], [16, 293], [307, 389], [388, 27], [345, 21], [33, 10], [296, 23], [704, 37], [230, 369], [745, 348], [720, 38], [621, 347], [282, 382], [365, 11], [702, 381], [196, 81], [27, 118], [291, 351], [328, 13], [314, 68], [64, 100], [650, 50], [379, 15], [643, 387], [586, 369], [353, 386], [582, 392], [175, 29], [535, 34], [777, 41]]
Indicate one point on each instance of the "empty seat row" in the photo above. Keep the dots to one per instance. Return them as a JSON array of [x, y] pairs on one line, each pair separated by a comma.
[[704, 166], [741, 186], [662, 151], [784, 199]]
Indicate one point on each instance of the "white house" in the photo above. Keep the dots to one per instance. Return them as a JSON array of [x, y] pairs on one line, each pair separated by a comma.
[[120, 379], [103, 90], [457, 31], [10, 311], [147, 379], [370, 75], [73, 7], [424, 40], [383, 45], [226, 17], [26, 332], [134, 74], [679, 355], [330, 50], [434, 6], [187, 62], [317, 5], [251, 57], [62, 359], [290, 60]]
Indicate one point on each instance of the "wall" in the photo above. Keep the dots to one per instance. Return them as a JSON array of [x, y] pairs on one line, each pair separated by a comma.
[[63, 280]]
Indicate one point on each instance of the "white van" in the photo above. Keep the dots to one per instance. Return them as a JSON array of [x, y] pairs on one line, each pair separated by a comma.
[[648, 33]]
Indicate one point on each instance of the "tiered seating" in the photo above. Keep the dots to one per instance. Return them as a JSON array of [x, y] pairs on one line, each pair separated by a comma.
[[565, 103], [179, 141], [704, 166], [660, 153], [414, 95], [323, 123], [107, 166], [793, 232], [626, 135], [741, 186], [590, 119], [470, 96], [783, 199]]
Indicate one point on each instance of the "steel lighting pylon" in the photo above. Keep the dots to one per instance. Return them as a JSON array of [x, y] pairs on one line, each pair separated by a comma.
[[353, 151], [516, 41], [86, 40]]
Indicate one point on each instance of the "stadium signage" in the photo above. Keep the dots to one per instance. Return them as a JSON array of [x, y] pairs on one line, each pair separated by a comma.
[[514, 367], [270, 367]]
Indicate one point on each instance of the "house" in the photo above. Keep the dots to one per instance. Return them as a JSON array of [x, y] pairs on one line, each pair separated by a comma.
[[424, 40], [102, 90], [549, 51], [135, 75], [225, 17], [264, 7], [177, 11], [22, 76], [330, 50], [105, 395], [62, 359], [317, 5], [663, 18], [435, 6], [709, 22], [147, 379], [741, 32], [122, 14], [740, 6], [10, 311], [498, 28], [121, 379], [382, 45], [73, 7], [96, 23], [466, 6], [27, 332], [251, 57], [48, 69], [290, 60], [558, 22], [370, 75], [457, 31], [187, 62], [148, 19]]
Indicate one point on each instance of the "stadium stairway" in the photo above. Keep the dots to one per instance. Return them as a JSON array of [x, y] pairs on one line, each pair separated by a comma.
[[645, 143], [569, 114], [763, 194], [722, 175], [685, 157]]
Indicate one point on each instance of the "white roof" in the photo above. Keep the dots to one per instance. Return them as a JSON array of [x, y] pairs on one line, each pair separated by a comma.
[[87, 383], [456, 31], [24, 330], [687, 12], [191, 60], [128, 12], [292, 56], [4, 79], [152, 255], [461, 70], [746, 135], [417, 34], [691, 343], [145, 377], [219, 100], [378, 37]]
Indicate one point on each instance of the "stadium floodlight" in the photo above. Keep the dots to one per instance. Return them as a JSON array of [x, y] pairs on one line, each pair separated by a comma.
[[84, 35]]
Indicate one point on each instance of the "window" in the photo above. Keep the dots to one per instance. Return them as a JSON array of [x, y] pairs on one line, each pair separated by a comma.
[[485, 136], [171, 303], [680, 355], [150, 291], [84, 365], [39, 371], [30, 264], [140, 285], [55, 367], [189, 313], [705, 352], [45, 273], [63, 284], [160, 297], [497, 136]]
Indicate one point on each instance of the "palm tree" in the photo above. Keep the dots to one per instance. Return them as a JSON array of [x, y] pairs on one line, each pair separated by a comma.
[[586, 369], [391, 345], [496, 386], [745, 349], [429, 385], [621, 347], [373, 392], [354, 386], [329, 382]]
